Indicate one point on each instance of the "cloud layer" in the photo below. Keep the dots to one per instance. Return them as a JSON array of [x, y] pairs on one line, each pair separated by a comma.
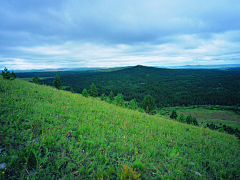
[[107, 33]]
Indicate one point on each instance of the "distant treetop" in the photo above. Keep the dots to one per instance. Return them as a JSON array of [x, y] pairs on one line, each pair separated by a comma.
[[36, 80], [57, 82]]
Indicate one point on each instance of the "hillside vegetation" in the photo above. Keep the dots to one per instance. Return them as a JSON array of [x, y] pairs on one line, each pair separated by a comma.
[[52, 134], [169, 87]]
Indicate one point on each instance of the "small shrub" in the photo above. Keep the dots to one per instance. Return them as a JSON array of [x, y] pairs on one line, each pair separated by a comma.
[[133, 104], [189, 119], [111, 96], [173, 114], [128, 173], [140, 109], [181, 118], [139, 165], [103, 97], [85, 93], [153, 112]]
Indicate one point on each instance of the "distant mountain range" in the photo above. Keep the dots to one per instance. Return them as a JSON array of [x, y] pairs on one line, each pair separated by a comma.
[[222, 66], [107, 69]]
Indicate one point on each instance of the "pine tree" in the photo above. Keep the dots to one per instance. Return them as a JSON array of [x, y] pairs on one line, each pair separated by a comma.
[[148, 102], [119, 100], [111, 96], [93, 91], [173, 114], [103, 97], [147, 109], [194, 121], [189, 119], [57, 82], [6, 74], [14, 75], [181, 118], [36, 80], [133, 104], [85, 93]]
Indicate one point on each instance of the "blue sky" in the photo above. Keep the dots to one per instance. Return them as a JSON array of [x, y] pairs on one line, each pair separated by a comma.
[[38, 34]]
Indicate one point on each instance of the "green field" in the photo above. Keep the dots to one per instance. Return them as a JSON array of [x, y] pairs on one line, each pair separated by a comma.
[[54, 134], [208, 114]]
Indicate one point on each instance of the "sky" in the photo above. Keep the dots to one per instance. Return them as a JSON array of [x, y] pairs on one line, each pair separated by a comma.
[[43, 34]]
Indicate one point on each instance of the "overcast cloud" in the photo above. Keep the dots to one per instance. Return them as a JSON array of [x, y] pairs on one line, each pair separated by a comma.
[[38, 34]]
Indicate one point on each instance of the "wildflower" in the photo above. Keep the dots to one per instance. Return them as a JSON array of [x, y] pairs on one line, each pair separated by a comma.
[[3, 172]]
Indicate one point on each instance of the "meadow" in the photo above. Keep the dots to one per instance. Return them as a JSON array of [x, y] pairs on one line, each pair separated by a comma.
[[54, 134], [218, 115]]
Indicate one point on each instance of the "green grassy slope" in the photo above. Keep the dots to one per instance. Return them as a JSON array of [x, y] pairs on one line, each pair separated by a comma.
[[46, 133]]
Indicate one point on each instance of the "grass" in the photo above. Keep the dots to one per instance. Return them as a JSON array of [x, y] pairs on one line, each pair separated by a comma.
[[206, 114], [51, 134]]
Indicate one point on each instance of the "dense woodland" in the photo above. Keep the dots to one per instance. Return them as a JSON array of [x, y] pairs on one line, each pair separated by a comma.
[[169, 87]]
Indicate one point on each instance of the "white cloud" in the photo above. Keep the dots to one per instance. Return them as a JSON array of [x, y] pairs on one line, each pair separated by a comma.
[[115, 33], [18, 64]]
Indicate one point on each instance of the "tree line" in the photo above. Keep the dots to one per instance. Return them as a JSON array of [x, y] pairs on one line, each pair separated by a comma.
[[148, 104], [189, 119], [168, 87]]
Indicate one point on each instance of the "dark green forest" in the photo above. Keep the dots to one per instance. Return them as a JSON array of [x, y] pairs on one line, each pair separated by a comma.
[[169, 87]]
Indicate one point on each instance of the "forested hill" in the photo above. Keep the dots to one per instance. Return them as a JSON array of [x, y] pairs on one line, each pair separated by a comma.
[[169, 87]]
